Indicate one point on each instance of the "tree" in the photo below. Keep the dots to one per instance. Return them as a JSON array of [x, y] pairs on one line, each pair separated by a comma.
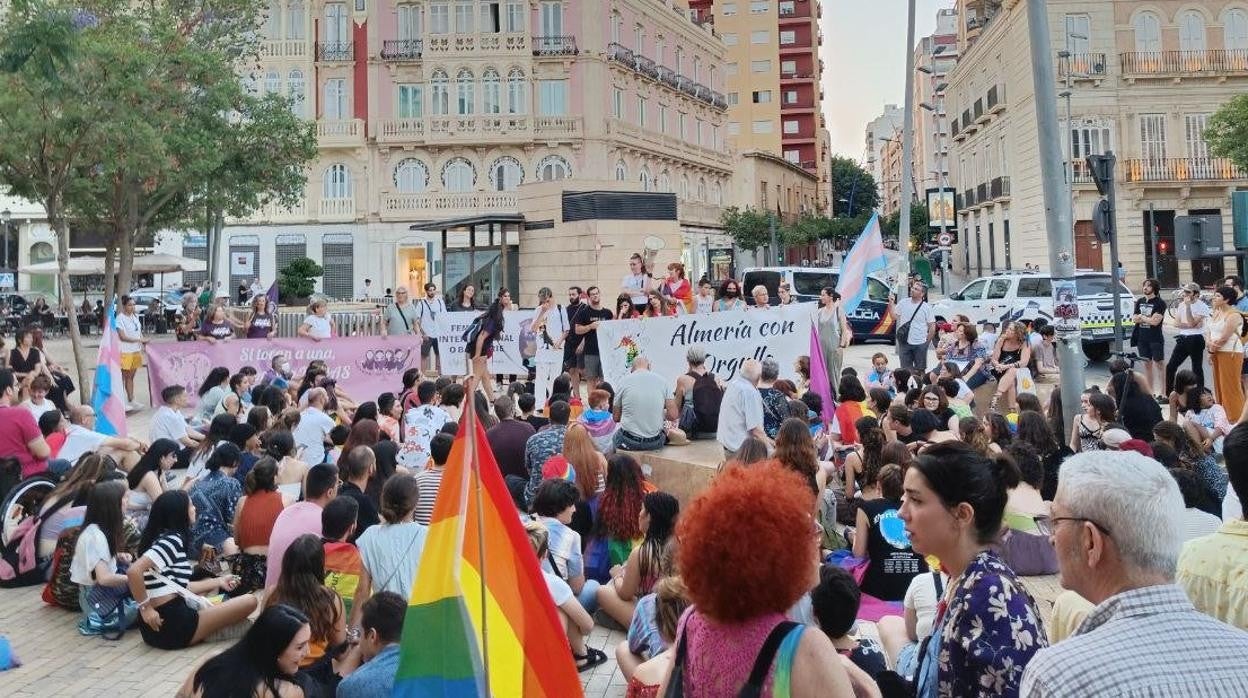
[[749, 228], [1227, 132], [854, 184], [297, 279], [890, 226]]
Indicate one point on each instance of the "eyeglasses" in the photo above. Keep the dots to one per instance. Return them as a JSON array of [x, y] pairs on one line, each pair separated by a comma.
[[1049, 525]]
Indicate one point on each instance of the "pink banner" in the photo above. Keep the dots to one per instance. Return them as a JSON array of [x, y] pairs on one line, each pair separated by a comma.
[[364, 367]]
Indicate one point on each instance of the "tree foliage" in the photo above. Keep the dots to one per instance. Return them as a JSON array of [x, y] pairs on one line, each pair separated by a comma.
[[854, 184], [749, 228], [1227, 132], [890, 225], [298, 278]]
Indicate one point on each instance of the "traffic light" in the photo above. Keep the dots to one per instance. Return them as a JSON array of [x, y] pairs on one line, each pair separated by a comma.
[[1102, 169], [1103, 220], [1163, 248]]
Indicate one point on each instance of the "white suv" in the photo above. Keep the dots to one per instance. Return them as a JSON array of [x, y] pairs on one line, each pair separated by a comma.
[[1013, 295]]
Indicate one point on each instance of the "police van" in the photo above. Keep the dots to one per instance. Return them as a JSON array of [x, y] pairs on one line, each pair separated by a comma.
[[871, 321], [1018, 295]]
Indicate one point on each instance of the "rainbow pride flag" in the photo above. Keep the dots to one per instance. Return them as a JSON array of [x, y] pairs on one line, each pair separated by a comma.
[[480, 620], [108, 393]]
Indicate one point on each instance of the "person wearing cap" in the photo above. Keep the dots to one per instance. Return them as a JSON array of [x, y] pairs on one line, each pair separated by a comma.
[[1113, 439], [1190, 313]]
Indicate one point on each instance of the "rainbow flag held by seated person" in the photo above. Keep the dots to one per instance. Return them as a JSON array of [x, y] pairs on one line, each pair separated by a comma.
[[480, 620]]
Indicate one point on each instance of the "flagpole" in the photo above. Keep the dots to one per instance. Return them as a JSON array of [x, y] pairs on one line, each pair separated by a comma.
[[474, 463]]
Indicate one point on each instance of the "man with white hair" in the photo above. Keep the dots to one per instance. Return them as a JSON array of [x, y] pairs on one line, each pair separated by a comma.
[[314, 427], [643, 401], [741, 412], [698, 395], [1116, 527]]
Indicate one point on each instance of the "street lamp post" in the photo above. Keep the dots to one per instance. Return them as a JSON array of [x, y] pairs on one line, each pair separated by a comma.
[[907, 145], [5, 216]]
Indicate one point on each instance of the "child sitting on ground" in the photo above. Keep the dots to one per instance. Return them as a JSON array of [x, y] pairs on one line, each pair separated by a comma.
[[878, 376], [834, 602], [599, 422]]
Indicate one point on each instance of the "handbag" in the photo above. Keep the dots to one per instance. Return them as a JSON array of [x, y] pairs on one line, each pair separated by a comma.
[[192, 599], [903, 330], [1023, 381]]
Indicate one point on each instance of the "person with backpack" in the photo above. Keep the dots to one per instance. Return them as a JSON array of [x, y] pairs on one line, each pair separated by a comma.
[[99, 563], [916, 326], [698, 394], [550, 327], [480, 337]]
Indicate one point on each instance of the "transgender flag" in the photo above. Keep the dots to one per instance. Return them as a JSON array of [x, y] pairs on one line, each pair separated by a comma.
[[108, 397], [865, 257]]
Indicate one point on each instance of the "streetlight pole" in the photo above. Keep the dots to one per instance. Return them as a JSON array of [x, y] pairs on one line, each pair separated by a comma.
[[907, 148], [5, 216]]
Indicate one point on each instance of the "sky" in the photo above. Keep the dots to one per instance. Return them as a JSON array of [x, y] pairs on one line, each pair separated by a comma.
[[864, 44]]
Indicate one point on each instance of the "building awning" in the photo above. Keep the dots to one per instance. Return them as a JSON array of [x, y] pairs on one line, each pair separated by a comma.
[[467, 222]]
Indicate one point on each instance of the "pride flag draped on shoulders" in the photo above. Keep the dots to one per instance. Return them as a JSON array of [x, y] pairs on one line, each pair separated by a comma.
[[108, 396], [453, 644], [865, 258]]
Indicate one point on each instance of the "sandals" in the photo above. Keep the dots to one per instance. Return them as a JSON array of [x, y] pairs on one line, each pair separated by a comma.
[[591, 658]]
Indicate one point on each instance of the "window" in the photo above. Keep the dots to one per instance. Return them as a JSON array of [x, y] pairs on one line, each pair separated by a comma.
[[697, 69], [639, 38], [515, 17], [699, 128], [790, 96], [1078, 31], [553, 168], [715, 140], [463, 17], [491, 92], [974, 291], [411, 176], [791, 127], [730, 39], [662, 118], [1191, 31], [665, 182], [1147, 32], [518, 92], [1194, 129], [1088, 137], [335, 99], [439, 18], [439, 87], [758, 7], [410, 106], [336, 184], [273, 20], [681, 126], [295, 87], [762, 96], [760, 66], [680, 61], [998, 288], [730, 68], [787, 9], [491, 18], [553, 97], [1153, 136], [733, 98], [273, 83], [458, 175], [294, 20], [761, 36], [793, 156], [646, 181], [763, 126], [1235, 29], [641, 111], [409, 22], [702, 189], [788, 37], [621, 171], [336, 31], [465, 93], [728, 9], [617, 27], [788, 67], [660, 50], [683, 192], [617, 103], [551, 16], [734, 128], [506, 174], [1035, 287]]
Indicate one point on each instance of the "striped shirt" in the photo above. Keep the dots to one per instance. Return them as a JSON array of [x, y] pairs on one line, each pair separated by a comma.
[[1144, 642], [168, 555], [427, 482]]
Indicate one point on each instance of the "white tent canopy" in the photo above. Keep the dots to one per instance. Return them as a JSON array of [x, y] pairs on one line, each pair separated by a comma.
[[78, 266], [167, 263]]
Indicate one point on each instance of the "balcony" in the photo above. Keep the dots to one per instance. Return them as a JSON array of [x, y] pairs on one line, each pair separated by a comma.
[[274, 213], [646, 67], [1081, 173], [996, 99], [955, 130], [999, 189], [554, 46], [482, 128], [399, 130], [668, 77], [968, 199], [337, 209], [1213, 63], [402, 49], [1183, 170], [718, 100], [1083, 66], [980, 116], [339, 132], [968, 126], [335, 52], [621, 54], [545, 127], [981, 193], [397, 206], [285, 48]]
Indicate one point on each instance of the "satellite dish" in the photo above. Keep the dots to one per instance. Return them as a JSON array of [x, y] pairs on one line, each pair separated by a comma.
[[654, 243]]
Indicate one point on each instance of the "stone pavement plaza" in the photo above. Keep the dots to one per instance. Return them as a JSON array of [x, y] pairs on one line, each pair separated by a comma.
[[57, 661]]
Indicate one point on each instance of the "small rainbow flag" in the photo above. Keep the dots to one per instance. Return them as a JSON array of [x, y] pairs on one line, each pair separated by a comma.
[[480, 620], [108, 396]]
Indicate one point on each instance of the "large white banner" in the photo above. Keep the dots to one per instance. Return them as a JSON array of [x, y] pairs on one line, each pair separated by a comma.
[[515, 345], [729, 338]]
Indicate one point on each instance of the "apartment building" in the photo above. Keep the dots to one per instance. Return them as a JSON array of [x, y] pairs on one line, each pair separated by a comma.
[[428, 110], [934, 56], [772, 74], [879, 134], [1144, 79]]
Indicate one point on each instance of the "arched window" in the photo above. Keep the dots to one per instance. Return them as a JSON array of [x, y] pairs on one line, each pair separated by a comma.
[[273, 83], [465, 92], [1235, 30], [702, 189], [440, 92], [683, 192], [665, 181], [517, 92], [294, 83], [553, 168], [1147, 32], [621, 171], [645, 179], [491, 92], [336, 184], [411, 176], [294, 20], [506, 174], [1191, 31], [458, 175], [719, 194]]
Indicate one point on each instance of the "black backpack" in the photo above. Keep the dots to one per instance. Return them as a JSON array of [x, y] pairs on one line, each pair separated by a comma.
[[707, 395], [474, 331]]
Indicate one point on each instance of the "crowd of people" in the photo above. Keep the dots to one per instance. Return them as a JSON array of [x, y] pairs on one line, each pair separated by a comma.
[[284, 515]]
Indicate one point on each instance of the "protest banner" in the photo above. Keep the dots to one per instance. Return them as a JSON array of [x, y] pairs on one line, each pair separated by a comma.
[[729, 338], [516, 345]]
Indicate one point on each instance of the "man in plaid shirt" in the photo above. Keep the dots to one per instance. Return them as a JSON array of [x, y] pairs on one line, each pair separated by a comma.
[[1116, 526]]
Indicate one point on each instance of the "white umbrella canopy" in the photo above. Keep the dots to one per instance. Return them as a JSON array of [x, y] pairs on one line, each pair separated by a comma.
[[78, 266], [167, 263]]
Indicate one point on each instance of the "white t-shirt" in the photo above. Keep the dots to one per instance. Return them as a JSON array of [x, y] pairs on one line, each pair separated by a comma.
[[559, 589], [923, 315], [130, 326], [317, 326], [431, 313], [556, 326], [80, 440], [636, 283], [391, 554], [168, 423], [921, 596], [1199, 311], [703, 304], [313, 429], [90, 550], [38, 410]]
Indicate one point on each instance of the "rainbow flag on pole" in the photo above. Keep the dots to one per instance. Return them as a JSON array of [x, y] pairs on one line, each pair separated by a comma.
[[108, 394], [480, 620], [863, 259]]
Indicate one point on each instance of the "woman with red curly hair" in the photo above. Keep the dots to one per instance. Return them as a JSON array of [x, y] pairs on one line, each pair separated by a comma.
[[749, 549]]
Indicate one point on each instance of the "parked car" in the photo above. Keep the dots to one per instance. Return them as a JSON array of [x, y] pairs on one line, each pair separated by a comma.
[[170, 301], [871, 320], [15, 302], [1015, 295]]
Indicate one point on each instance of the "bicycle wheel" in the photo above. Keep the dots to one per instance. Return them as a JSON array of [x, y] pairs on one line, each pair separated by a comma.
[[22, 500]]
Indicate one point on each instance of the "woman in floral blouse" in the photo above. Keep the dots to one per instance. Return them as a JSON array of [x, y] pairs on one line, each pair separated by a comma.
[[987, 626]]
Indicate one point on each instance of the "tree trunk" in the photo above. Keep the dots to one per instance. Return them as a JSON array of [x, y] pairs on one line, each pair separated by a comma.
[[110, 271], [125, 248], [57, 221]]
